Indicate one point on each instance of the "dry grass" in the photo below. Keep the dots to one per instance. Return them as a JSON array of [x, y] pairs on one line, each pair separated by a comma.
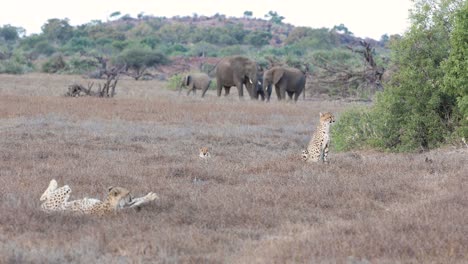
[[253, 202]]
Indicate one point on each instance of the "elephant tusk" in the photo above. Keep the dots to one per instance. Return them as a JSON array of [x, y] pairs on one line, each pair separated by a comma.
[[250, 81], [259, 83]]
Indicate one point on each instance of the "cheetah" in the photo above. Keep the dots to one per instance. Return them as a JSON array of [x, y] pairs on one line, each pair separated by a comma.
[[204, 153], [320, 141], [56, 199]]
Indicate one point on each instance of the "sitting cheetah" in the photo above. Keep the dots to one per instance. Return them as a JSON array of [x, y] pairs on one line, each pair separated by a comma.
[[56, 199], [318, 145], [204, 153]]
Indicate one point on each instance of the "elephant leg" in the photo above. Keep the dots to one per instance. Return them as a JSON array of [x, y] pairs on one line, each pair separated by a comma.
[[262, 94], [240, 89], [283, 91], [204, 92], [277, 90], [188, 92], [219, 87], [227, 90], [296, 96]]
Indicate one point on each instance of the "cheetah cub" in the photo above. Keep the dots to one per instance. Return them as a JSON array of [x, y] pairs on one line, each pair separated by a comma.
[[204, 153], [56, 199], [320, 141]]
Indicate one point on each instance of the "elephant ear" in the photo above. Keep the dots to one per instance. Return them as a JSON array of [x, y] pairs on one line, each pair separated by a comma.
[[277, 75], [187, 80]]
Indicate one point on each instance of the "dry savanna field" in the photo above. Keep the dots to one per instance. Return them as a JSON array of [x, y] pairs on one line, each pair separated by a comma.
[[254, 201]]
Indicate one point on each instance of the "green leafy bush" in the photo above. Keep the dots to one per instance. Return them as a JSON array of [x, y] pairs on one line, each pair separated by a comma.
[[354, 130], [81, 65], [45, 48], [55, 64], [456, 69], [174, 82], [414, 112], [11, 67]]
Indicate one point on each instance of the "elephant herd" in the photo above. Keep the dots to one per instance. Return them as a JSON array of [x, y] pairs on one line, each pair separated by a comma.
[[240, 71]]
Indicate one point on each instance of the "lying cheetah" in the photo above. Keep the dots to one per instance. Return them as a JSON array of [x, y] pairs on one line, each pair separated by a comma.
[[318, 145], [56, 199], [204, 153]]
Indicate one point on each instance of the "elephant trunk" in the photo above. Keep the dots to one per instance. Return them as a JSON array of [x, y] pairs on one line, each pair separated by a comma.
[[251, 85], [268, 92], [267, 88]]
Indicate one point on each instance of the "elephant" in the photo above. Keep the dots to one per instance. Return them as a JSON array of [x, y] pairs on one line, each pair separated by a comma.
[[285, 79], [194, 81], [236, 71], [259, 88]]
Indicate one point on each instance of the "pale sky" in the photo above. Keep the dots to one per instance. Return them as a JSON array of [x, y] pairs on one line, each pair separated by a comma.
[[365, 18]]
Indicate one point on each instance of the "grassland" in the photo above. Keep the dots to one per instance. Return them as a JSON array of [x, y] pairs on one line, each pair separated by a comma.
[[253, 202]]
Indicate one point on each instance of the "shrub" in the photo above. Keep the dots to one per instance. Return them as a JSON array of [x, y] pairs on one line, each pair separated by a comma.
[[455, 68], [175, 81], [80, 65], [414, 112], [204, 49], [354, 130], [16, 64], [54, 64], [44, 47], [11, 67]]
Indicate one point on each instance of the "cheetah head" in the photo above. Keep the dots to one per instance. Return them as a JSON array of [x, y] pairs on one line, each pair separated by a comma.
[[119, 197], [204, 153], [327, 117]]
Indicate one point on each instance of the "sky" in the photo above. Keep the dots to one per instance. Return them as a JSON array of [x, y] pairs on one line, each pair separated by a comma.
[[364, 18]]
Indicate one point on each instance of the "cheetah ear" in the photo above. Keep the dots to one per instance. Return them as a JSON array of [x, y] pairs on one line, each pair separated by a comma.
[[114, 191], [321, 114]]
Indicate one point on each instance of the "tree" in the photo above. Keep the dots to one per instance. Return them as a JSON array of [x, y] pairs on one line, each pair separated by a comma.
[[248, 14], [258, 38], [139, 59], [456, 66], [274, 17], [384, 39], [10, 33], [57, 30], [341, 28], [115, 14], [414, 112]]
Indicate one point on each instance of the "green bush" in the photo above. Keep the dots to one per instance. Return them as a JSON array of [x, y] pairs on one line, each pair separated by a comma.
[[414, 112], [174, 82], [138, 57], [233, 50], [203, 49], [81, 65], [456, 73], [16, 64], [80, 44], [11, 67], [54, 65], [44, 47], [354, 130]]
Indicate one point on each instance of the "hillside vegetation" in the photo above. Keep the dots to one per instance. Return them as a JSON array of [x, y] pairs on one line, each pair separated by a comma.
[[163, 47]]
